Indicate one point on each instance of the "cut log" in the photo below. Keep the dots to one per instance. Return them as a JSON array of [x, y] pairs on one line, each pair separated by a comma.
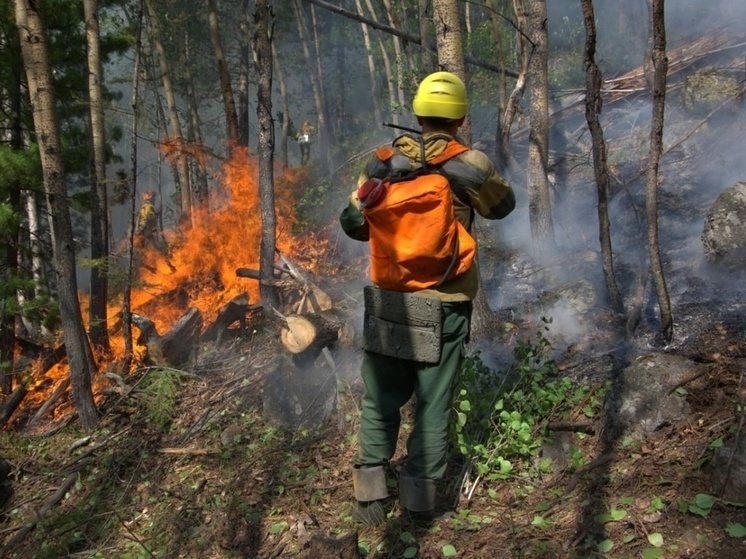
[[301, 333], [297, 334], [234, 311]]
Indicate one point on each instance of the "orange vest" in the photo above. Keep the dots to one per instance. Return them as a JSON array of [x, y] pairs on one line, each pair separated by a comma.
[[416, 242]]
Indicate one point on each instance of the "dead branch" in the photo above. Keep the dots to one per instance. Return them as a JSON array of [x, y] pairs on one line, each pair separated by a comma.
[[59, 391], [185, 451], [29, 527]]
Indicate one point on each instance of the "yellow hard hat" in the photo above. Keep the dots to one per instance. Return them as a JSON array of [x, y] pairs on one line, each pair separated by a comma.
[[442, 95]]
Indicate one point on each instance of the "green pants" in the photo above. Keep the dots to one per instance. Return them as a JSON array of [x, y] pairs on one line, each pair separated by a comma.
[[389, 384]]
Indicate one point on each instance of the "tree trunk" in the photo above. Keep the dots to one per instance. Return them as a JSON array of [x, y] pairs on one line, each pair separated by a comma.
[[194, 125], [399, 56], [176, 142], [285, 114], [243, 75], [501, 151], [229, 104], [313, 77], [35, 52], [593, 107], [660, 70], [372, 70], [127, 290], [10, 239], [388, 72], [450, 47], [263, 51], [97, 311], [539, 199], [425, 22]]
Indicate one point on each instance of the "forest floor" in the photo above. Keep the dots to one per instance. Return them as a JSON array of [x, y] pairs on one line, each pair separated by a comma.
[[218, 481]]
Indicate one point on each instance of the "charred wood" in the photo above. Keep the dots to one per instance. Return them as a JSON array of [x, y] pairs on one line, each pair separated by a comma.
[[234, 311], [177, 346]]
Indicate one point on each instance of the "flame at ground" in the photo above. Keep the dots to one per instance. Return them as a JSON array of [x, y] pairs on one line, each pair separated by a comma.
[[199, 269]]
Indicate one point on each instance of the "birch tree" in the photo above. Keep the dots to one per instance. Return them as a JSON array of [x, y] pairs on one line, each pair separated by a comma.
[[97, 319], [35, 52]]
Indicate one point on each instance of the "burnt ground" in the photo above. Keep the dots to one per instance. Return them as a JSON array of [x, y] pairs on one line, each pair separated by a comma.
[[218, 481]]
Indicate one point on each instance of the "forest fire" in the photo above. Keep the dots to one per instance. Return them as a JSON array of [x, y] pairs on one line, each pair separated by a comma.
[[198, 271], [204, 257]]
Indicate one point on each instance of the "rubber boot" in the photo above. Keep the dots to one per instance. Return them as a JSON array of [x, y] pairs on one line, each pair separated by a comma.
[[370, 491], [417, 495]]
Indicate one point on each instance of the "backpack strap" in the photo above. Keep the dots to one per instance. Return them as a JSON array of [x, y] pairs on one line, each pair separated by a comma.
[[453, 148], [385, 153]]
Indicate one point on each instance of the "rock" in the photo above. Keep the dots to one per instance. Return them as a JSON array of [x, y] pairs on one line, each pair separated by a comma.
[[644, 399], [724, 234]]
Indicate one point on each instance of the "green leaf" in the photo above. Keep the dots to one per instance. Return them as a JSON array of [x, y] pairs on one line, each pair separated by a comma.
[[613, 516], [652, 553], [736, 530], [605, 546], [465, 405], [658, 504], [277, 527], [655, 539], [449, 551], [407, 537], [410, 552], [704, 501]]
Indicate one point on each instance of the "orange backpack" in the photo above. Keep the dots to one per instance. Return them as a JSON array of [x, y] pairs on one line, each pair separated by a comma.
[[416, 242]]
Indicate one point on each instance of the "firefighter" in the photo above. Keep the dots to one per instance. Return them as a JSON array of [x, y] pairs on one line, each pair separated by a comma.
[[146, 225], [390, 380], [147, 232], [304, 141]]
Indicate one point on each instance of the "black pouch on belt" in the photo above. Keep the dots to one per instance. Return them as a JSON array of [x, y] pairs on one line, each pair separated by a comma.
[[404, 325]]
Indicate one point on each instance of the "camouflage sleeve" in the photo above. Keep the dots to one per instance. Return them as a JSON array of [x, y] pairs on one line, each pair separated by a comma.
[[488, 192], [353, 221]]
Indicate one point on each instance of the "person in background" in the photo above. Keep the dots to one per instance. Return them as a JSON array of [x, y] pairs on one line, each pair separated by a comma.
[[440, 106], [146, 224], [304, 141], [147, 231]]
